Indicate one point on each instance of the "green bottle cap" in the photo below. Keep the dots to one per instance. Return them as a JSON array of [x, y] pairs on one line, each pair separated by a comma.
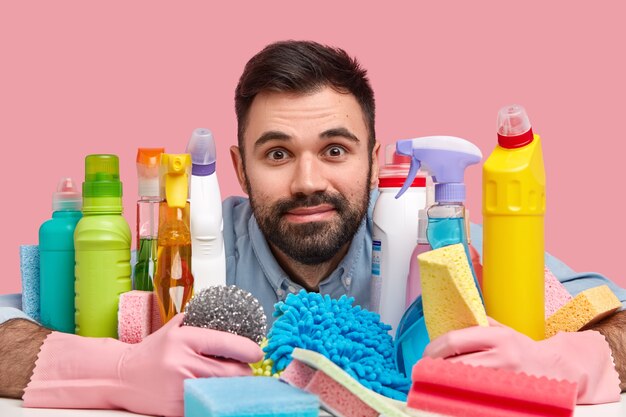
[[102, 189]]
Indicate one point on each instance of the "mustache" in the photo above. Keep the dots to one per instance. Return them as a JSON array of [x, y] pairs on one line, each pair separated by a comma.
[[285, 205]]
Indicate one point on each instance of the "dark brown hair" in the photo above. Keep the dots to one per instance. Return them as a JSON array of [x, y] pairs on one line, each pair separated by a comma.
[[303, 67]]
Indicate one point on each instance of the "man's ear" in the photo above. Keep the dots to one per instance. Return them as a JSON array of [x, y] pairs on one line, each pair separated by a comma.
[[235, 156], [375, 167]]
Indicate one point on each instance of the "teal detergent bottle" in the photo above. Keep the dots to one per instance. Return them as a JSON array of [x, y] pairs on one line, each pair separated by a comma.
[[102, 240], [446, 157], [56, 259]]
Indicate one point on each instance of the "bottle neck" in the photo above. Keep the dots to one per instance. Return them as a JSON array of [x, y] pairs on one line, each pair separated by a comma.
[[102, 205], [446, 210], [62, 214]]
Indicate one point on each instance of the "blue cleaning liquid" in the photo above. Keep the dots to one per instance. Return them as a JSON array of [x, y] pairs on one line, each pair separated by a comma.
[[450, 231]]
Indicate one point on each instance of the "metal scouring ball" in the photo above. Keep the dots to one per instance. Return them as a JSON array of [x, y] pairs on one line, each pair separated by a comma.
[[228, 309]]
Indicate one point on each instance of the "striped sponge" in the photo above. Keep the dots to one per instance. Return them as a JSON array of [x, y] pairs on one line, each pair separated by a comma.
[[450, 297], [556, 295], [134, 317], [588, 307], [29, 269], [339, 393], [349, 336], [457, 389], [246, 397]]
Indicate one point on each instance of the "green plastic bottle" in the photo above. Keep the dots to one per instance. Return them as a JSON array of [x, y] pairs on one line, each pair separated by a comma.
[[56, 259], [102, 242]]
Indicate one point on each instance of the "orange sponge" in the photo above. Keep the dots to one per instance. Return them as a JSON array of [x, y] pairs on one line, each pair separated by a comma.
[[588, 307]]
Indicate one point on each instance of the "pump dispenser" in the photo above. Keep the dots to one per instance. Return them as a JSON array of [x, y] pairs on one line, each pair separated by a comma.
[[148, 161], [207, 241], [446, 157], [514, 204], [56, 258], [173, 280]]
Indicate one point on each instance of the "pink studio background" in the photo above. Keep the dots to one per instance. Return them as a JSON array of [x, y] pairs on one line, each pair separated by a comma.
[[86, 77]]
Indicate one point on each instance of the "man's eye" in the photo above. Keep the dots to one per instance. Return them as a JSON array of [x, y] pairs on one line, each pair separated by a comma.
[[336, 151], [277, 155]]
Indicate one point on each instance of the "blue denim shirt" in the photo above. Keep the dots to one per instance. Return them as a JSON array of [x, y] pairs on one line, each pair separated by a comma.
[[251, 265]]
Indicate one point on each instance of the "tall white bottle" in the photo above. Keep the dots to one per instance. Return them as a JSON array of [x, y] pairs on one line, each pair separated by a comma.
[[207, 240], [393, 237]]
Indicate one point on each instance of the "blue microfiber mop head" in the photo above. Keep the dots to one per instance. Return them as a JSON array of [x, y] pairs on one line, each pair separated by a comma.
[[351, 337]]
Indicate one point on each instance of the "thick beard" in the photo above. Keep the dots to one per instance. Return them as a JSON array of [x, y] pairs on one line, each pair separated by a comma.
[[314, 242]]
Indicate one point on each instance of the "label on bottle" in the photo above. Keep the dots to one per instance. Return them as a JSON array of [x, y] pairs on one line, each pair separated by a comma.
[[376, 281], [376, 254]]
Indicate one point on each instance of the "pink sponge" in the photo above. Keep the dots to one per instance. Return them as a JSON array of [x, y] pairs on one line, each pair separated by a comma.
[[134, 316], [334, 397], [456, 389], [555, 294]]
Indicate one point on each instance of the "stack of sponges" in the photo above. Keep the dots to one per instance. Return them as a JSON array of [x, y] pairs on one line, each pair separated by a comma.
[[351, 337], [588, 307], [339, 393], [450, 297]]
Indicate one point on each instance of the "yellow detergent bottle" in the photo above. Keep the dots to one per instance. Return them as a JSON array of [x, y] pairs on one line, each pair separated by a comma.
[[514, 204]]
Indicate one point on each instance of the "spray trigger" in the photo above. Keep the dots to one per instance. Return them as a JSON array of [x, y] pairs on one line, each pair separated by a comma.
[[415, 166]]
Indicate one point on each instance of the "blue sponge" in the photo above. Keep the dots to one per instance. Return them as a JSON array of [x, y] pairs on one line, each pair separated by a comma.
[[247, 396], [29, 268], [353, 338]]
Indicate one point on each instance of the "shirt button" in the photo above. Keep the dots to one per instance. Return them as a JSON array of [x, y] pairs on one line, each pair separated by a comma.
[[292, 289], [348, 281], [280, 293]]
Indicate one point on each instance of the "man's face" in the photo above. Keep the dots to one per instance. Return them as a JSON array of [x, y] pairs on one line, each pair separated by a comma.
[[307, 171]]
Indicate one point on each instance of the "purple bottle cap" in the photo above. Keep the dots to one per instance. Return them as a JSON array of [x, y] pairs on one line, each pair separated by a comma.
[[201, 146], [451, 192]]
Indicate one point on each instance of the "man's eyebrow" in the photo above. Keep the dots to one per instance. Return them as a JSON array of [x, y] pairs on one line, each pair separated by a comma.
[[341, 132], [271, 135]]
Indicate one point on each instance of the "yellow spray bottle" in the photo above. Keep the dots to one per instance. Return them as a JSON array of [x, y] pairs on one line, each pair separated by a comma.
[[173, 281], [514, 204]]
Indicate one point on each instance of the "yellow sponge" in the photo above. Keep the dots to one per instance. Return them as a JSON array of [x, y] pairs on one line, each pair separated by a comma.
[[450, 297], [588, 307]]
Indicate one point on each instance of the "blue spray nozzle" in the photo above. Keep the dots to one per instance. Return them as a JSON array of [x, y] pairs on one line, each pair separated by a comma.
[[201, 146], [445, 156]]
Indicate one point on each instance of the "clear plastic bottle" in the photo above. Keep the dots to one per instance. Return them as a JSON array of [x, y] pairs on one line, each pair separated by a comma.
[[56, 259], [102, 241], [514, 204], [446, 157], [148, 161], [173, 279]]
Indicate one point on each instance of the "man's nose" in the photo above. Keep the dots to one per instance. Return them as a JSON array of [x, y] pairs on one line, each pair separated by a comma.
[[309, 176]]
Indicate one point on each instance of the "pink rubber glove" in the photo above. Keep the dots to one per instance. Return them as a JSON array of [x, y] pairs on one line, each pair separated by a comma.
[[581, 357], [80, 372]]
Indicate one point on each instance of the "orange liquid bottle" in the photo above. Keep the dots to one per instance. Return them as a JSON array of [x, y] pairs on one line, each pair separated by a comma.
[[173, 280]]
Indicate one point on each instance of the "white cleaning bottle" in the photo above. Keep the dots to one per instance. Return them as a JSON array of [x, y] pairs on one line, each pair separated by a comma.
[[393, 237], [207, 241]]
